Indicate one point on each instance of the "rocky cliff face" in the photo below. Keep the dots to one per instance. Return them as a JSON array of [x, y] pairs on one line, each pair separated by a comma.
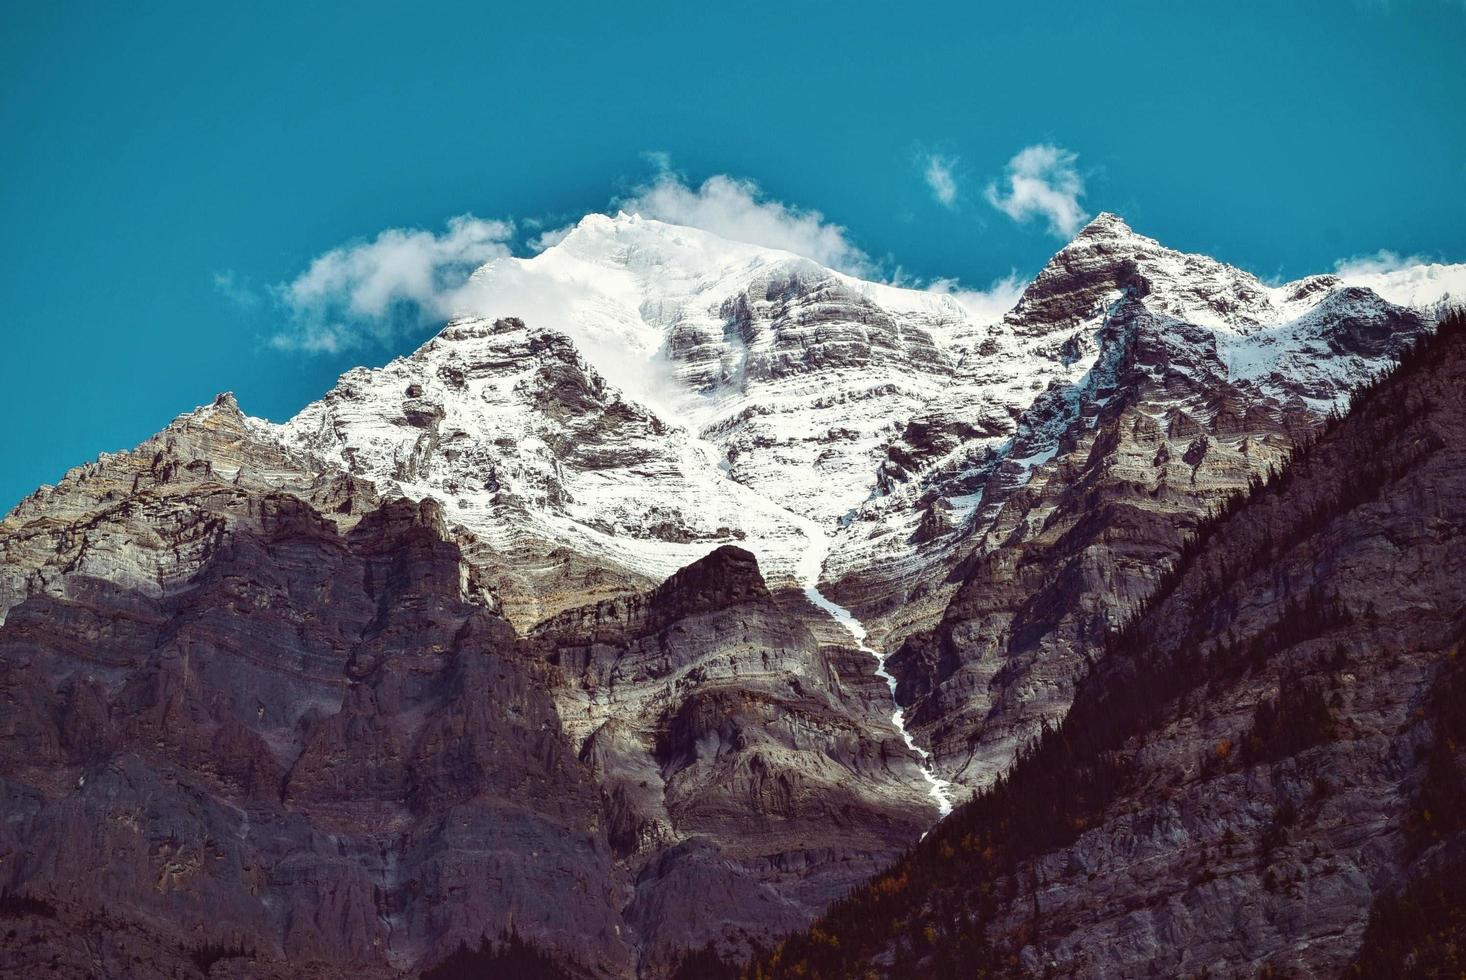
[[1171, 417], [1029, 390], [1266, 754], [537, 628], [319, 749], [527, 445], [315, 745], [150, 518], [636, 366], [744, 748]]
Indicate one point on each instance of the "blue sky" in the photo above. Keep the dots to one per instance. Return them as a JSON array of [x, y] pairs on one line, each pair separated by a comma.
[[165, 168]]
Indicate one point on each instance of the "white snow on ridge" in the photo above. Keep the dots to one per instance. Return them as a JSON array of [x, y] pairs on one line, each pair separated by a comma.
[[466, 420], [1420, 287], [752, 390], [617, 287], [647, 303]]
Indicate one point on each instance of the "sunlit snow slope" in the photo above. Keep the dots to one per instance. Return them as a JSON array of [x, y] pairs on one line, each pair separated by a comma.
[[642, 392]]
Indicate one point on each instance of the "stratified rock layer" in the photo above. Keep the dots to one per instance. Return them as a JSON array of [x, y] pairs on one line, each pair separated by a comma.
[[338, 695], [313, 743], [1267, 761], [1169, 420]]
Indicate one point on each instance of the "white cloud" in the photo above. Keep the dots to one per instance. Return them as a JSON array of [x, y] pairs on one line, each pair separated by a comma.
[[984, 305], [1041, 181], [549, 238], [942, 179], [371, 291], [235, 289], [1377, 263], [736, 208], [660, 160]]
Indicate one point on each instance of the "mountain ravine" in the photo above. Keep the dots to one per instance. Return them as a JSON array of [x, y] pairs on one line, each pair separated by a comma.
[[683, 587], [1263, 775]]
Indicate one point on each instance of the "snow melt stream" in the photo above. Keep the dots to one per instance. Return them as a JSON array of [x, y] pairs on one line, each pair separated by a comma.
[[810, 566]]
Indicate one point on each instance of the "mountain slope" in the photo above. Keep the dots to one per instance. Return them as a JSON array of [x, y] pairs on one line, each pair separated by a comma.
[[594, 605], [989, 497], [1170, 418], [753, 381], [148, 519], [1266, 751], [251, 707]]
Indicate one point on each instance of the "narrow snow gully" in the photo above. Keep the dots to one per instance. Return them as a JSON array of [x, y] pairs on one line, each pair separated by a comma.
[[810, 566]]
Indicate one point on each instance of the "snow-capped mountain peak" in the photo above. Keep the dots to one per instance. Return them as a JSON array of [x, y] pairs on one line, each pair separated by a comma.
[[1107, 224], [641, 392], [1108, 257], [633, 291]]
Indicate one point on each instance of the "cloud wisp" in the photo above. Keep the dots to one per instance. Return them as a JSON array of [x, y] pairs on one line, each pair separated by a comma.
[[1377, 263], [372, 291], [549, 238], [983, 305], [1042, 181], [940, 175], [238, 291], [737, 208]]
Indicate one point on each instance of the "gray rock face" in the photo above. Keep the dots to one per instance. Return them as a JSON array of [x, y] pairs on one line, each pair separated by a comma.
[[150, 518], [1214, 346], [745, 750], [1164, 426], [316, 741], [796, 320], [1267, 752], [344, 692], [320, 747], [509, 428], [1108, 257]]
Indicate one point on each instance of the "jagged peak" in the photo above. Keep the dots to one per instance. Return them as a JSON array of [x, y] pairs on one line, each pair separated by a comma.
[[631, 238], [726, 575], [1110, 234], [1108, 256], [1106, 224], [597, 222], [223, 411]]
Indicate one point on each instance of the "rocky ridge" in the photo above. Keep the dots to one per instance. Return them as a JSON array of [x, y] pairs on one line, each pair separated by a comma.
[[471, 537], [1161, 431], [777, 392], [1263, 773], [325, 749]]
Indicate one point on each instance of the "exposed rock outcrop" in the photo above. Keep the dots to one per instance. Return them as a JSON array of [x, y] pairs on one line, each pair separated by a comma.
[[318, 747], [539, 628], [1267, 753], [746, 752], [1170, 420]]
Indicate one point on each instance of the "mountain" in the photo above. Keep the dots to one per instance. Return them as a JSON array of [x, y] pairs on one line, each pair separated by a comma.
[[286, 720], [1263, 775], [657, 365], [651, 606], [989, 497], [654, 391], [1199, 377]]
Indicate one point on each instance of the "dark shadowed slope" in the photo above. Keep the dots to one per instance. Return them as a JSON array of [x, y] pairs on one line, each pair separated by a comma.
[[1271, 748], [245, 733]]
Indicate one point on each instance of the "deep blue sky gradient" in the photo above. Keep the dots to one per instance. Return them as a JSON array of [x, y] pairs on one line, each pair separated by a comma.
[[146, 148]]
